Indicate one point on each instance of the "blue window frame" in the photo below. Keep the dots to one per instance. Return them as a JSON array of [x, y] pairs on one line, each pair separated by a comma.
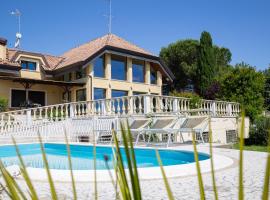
[[118, 67], [29, 65], [99, 93], [99, 67], [153, 76], [138, 71]]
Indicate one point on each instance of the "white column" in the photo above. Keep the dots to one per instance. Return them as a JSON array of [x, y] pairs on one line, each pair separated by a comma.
[[147, 104]]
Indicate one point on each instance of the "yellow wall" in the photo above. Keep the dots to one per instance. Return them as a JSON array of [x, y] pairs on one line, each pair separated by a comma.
[[53, 94]]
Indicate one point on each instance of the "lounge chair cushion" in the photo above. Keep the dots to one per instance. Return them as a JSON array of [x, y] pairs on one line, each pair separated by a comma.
[[162, 123], [136, 124]]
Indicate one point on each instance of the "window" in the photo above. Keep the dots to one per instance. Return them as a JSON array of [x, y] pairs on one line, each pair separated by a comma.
[[119, 93], [138, 71], [99, 93], [153, 76], [118, 67], [81, 95], [29, 65], [80, 73], [37, 97], [19, 98], [99, 67]]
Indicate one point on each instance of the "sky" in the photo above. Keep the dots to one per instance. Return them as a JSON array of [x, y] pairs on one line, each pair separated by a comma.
[[55, 26]]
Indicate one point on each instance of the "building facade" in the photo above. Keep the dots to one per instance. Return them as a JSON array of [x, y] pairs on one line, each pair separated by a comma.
[[103, 68]]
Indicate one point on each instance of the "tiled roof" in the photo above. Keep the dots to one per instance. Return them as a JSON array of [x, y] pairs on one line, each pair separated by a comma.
[[82, 52], [51, 61]]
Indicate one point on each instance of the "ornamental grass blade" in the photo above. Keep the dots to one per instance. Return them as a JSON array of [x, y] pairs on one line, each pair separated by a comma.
[[51, 183], [70, 167], [265, 195], [130, 160], [241, 147], [199, 174], [212, 159], [135, 170], [9, 180], [25, 174], [121, 175], [166, 182]]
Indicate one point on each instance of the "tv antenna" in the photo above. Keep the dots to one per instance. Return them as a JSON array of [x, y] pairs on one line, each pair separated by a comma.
[[109, 16], [17, 14]]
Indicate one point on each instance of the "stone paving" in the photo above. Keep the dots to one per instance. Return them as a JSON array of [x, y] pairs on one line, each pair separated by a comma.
[[182, 187]]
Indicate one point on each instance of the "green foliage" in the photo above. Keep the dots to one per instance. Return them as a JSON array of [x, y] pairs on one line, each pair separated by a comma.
[[195, 99], [244, 85], [206, 63], [3, 104], [182, 58], [259, 132]]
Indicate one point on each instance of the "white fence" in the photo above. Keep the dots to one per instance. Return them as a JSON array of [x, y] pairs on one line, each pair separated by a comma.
[[92, 129], [21, 120]]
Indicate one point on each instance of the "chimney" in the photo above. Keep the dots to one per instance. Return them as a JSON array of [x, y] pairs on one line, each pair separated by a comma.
[[3, 49]]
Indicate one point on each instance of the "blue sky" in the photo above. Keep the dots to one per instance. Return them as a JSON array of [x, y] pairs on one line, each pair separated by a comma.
[[54, 26]]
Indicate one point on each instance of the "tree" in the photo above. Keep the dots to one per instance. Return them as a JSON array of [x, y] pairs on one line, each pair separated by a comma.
[[206, 63], [246, 86], [181, 58], [267, 89]]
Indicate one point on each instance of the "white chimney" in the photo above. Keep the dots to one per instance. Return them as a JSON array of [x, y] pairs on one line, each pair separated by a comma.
[[3, 49]]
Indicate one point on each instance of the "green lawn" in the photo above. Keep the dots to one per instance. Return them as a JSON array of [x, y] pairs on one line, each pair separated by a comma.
[[252, 148]]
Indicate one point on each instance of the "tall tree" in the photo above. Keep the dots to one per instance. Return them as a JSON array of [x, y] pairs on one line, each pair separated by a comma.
[[206, 69], [246, 86]]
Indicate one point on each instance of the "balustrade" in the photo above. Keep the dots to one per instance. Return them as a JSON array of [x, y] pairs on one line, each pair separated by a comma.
[[138, 104]]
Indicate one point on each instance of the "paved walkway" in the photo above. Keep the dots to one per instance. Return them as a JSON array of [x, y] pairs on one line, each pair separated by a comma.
[[184, 187]]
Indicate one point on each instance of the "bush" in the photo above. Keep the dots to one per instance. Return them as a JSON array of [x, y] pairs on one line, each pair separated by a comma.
[[195, 99], [3, 104], [259, 133]]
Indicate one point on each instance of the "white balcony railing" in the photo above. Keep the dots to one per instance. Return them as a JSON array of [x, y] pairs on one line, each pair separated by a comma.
[[121, 106]]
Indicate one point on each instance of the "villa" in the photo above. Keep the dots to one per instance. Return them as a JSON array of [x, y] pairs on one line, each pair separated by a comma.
[[106, 77], [103, 68]]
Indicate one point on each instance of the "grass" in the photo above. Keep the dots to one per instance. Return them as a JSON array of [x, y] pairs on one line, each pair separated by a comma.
[[251, 148], [127, 182]]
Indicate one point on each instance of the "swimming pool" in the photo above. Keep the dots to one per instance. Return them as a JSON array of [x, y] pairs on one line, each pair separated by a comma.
[[82, 156]]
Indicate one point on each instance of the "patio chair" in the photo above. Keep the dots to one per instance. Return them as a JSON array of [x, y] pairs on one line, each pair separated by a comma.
[[136, 125], [194, 124], [168, 126]]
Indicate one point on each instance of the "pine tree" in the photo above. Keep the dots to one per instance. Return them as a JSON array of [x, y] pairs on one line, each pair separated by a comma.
[[206, 63]]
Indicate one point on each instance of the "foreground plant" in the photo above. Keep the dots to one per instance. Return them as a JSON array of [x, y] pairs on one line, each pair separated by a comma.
[[129, 189]]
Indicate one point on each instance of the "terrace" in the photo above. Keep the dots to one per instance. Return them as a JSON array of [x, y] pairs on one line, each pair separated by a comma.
[[99, 115]]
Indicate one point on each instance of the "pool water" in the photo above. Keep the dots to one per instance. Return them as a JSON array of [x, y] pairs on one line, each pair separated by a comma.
[[82, 156]]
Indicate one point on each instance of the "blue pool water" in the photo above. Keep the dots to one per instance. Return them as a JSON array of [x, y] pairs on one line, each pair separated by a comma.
[[82, 156]]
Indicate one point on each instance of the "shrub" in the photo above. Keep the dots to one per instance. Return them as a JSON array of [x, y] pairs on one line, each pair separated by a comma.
[[259, 132], [195, 99], [3, 104]]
